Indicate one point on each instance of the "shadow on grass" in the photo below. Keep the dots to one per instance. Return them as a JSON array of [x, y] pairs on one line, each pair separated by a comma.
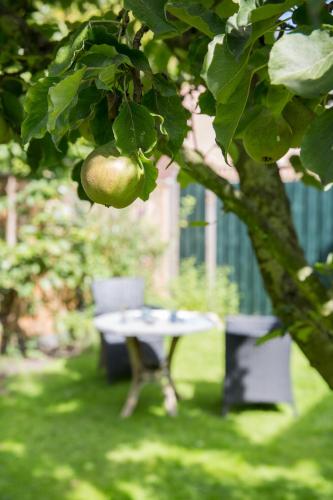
[[62, 438]]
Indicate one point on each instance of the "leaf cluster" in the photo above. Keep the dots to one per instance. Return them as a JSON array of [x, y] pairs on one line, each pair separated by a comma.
[[119, 77]]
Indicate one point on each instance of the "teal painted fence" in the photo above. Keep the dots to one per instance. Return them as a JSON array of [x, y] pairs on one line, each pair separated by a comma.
[[313, 216]]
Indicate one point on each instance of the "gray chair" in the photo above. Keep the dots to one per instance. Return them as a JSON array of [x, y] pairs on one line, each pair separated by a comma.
[[118, 294], [256, 373]]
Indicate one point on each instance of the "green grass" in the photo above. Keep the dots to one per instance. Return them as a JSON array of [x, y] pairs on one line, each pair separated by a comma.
[[61, 437]]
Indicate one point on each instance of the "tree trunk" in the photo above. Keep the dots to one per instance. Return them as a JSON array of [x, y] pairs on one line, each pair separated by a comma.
[[299, 299]]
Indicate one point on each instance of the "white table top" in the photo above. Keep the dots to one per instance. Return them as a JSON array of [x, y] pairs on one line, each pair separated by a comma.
[[155, 322]]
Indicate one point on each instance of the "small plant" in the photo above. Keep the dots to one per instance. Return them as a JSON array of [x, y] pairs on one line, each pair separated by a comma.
[[76, 327], [190, 290]]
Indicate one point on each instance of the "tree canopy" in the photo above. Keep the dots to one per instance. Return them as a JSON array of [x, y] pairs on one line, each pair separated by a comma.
[[117, 77], [77, 76]]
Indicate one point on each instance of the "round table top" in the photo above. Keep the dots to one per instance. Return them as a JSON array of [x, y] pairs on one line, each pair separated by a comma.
[[155, 322]]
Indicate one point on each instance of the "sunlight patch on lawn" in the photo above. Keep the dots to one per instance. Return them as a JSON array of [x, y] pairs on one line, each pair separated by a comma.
[[28, 386], [305, 473], [152, 452], [62, 472], [225, 466], [65, 407], [133, 490], [13, 447], [82, 490], [271, 424]]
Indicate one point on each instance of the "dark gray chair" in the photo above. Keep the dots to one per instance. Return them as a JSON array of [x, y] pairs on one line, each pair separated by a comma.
[[256, 373], [118, 294]]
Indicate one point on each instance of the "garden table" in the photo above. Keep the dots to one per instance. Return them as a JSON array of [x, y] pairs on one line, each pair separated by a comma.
[[146, 322]]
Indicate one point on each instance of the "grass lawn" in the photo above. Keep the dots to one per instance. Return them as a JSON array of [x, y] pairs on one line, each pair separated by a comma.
[[61, 437]]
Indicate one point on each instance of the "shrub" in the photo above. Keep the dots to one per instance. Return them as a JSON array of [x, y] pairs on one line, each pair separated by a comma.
[[190, 290], [62, 246]]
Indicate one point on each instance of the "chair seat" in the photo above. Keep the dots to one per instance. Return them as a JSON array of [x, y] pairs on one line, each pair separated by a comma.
[[117, 294]]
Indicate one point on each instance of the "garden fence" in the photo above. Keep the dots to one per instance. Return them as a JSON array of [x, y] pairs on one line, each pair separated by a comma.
[[313, 216]]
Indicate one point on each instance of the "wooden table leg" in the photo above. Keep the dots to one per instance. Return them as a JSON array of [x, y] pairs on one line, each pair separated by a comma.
[[171, 396], [172, 349], [173, 345], [169, 391], [137, 367], [140, 375]]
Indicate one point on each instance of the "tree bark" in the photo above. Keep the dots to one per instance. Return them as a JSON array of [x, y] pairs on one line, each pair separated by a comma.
[[298, 297]]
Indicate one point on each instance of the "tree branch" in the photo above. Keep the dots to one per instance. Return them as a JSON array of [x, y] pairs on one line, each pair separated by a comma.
[[137, 91], [138, 36], [235, 201], [192, 162]]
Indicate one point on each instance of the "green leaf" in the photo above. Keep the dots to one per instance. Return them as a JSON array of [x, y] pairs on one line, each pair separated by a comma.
[[43, 155], [100, 125], [317, 147], [183, 178], [66, 55], [271, 9], [198, 223], [163, 85], [313, 13], [307, 178], [107, 75], [134, 129], [98, 56], [98, 33], [273, 334], [277, 98], [12, 108], [150, 177], [252, 11], [222, 70], [226, 9], [76, 176], [196, 15], [228, 114], [242, 17], [152, 13], [303, 63], [13, 85], [101, 35], [174, 114], [207, 104], [62, 95], [36, 110], [87, 100], [136, 57]]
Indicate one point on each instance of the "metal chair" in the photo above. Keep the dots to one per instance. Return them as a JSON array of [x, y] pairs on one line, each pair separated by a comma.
[[256, 373], [119, 294]]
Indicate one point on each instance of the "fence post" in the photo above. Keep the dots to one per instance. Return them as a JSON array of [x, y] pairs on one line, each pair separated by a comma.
[[11, 222], [210, 237]]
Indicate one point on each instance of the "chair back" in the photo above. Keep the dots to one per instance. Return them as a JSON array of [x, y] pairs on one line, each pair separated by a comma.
[[117, 294], [251, 325]]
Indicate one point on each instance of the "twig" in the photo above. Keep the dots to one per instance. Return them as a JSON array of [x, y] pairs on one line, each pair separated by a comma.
[[138, 36], [124, 17], [137, 90]]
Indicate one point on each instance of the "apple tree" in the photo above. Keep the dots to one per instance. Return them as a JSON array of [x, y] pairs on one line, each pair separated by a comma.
[[116, 78]]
